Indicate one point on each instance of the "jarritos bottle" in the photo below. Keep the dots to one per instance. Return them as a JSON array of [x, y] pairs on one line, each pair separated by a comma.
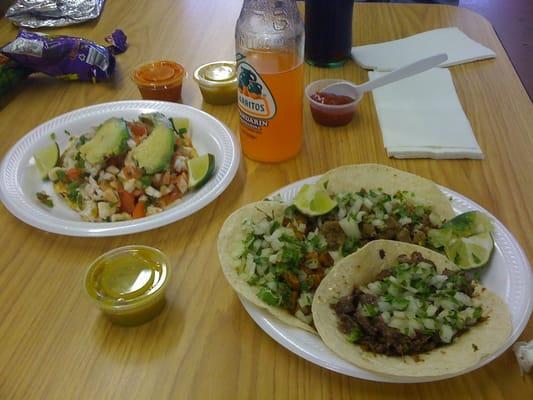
[[269, 39]]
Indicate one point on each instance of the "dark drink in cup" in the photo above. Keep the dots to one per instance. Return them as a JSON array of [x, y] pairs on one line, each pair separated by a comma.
[[328, 32]]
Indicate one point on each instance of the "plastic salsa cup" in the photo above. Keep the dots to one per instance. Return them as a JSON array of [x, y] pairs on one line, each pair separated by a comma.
[[129, 283], [329, 114], [159, 80], [217, 82]]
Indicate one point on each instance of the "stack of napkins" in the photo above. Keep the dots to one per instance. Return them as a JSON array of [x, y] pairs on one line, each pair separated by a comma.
[[421, 116]]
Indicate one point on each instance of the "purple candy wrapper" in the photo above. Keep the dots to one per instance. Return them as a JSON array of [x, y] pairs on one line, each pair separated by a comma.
[[66, 57]]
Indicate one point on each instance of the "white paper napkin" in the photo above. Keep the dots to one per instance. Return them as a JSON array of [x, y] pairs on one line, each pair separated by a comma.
[[421, 117], [397, 53]]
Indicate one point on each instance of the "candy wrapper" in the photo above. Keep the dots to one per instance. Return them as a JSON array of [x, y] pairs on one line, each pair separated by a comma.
[[66, 57]]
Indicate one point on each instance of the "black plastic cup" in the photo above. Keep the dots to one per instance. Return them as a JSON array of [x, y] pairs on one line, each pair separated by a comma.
[[328, 32]]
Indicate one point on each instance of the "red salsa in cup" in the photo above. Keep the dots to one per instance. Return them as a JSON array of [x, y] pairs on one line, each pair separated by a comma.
[[332, 116], [331, 99]]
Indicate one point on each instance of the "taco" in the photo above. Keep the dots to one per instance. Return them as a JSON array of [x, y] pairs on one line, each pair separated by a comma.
[[401, 309], [275, 256]]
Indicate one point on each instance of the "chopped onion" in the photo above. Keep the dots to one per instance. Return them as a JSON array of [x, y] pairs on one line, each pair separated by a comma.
[[463, 298], [448, 304], [429, 323], [384, 306], [378, 223], [446, 333], [262, 227], [435, 219], [305, 299], [399, 314], [431, 310], [386, 316], [404, 221], [438, 280], [360, 215], [356, 206], [302, 317], [150, 191], [414, 324], [350, 228], [249, 266], [274, 258], [397, 323], [368, 203], [112, 170], [375, 288]]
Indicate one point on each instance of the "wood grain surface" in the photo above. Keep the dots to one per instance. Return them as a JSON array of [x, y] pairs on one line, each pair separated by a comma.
[[55, 344]]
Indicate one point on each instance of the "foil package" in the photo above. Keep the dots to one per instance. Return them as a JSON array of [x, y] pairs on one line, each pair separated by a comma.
[[66, 57], [52, 13]]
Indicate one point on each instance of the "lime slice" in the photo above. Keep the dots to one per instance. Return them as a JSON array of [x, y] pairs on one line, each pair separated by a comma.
[[200, 170], [46, 159], [469, 223], [470, 252], [466, 239], [314, 200]]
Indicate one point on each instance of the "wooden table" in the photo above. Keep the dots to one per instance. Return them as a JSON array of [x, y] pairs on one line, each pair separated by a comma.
[[55, 344]]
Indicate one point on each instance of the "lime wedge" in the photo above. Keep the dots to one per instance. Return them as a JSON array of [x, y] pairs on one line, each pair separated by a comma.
[[46, 159], [200, 170], [469, 223], [314, 200], [466, 239], [470, 252]]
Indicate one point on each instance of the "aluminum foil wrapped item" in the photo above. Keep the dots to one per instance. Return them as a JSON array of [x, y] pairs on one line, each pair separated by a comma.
[[66, 57], [39, 13]]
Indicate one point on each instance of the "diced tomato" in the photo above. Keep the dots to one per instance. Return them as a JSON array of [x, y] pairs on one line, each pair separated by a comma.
[[127, 201], [74, 174], [138, 129], [139, 211]]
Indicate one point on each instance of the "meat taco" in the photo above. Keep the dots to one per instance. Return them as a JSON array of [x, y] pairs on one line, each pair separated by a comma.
[[401, 309], [275, 255]]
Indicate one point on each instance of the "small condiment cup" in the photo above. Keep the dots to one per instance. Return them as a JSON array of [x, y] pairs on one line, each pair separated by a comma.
[[326, 114], [129, 283], [217, 82], [160, 80]]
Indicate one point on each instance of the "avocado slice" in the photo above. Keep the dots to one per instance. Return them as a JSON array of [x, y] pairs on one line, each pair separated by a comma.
[[110, 140], [155, 152]]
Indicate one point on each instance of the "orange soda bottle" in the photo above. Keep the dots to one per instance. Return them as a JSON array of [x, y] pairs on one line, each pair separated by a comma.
[[269, 40]]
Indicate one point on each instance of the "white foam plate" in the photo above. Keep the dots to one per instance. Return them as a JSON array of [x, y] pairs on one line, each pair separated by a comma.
[[508, 275], [20, 181]]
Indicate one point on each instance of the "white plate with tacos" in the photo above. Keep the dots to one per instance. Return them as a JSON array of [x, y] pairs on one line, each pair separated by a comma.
[[507, 275]]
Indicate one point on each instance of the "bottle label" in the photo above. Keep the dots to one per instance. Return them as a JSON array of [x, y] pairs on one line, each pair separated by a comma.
[[256, 103]]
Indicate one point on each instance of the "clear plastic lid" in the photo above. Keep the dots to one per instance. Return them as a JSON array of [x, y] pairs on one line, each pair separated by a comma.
[[159, 74], [127, 277], [218, 73]]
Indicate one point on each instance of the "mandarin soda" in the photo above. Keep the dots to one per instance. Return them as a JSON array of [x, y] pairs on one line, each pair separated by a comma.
[[269, 39]]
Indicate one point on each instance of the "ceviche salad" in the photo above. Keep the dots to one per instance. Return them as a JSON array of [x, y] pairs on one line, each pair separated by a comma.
[[124, 169]]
